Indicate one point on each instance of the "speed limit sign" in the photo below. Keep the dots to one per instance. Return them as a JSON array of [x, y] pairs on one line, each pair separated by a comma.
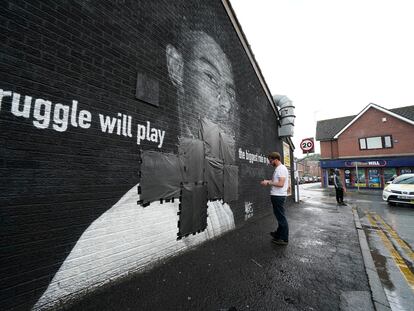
[[307, 145]]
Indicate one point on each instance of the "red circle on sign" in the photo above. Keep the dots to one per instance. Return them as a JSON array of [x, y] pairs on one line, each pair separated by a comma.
[[306, 144]]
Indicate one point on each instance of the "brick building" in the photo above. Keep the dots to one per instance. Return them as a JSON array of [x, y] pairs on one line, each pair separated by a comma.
[[307, 167], [131, 131], [368, 148]]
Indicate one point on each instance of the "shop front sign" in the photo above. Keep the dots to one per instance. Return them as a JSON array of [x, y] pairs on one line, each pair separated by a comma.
[[370, 163]]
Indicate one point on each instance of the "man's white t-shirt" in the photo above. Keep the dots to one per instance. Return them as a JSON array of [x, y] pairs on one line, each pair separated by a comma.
[[280, 171]]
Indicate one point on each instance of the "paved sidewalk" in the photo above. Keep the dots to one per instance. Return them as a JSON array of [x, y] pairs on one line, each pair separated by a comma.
[[353, 192], [321, 269]]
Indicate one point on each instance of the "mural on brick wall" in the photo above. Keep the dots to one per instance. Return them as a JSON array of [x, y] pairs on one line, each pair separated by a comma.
[[121, 153], [188, 186]]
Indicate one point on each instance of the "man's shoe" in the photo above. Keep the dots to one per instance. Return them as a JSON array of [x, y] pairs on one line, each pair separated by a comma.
[[342, 203], [280, 242], [274, 236]]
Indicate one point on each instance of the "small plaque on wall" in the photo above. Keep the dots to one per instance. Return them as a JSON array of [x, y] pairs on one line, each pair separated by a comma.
[[147, 89]]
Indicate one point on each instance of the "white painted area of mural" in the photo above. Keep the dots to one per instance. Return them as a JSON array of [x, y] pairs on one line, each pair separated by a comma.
[[125, 239]]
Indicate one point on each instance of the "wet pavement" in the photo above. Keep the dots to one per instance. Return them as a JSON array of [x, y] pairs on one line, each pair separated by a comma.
[[321, 269], [390, 234]]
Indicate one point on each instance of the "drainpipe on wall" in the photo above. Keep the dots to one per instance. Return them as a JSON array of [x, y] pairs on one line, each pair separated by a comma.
[[287, 115]]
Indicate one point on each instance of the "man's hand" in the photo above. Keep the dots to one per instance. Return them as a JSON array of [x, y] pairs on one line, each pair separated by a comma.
[[265, 182]]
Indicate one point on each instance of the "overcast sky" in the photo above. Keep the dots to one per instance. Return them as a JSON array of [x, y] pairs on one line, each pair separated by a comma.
[[330, 57]]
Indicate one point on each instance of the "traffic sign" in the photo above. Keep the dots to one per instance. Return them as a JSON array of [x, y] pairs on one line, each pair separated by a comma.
[[307, 145]]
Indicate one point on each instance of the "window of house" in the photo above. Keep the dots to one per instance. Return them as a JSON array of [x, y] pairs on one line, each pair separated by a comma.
[[387, 142], [374, 142], [377, 142], [362, 143]]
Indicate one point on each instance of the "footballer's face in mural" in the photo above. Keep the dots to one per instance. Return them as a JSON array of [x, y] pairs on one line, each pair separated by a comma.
[[204, 80]]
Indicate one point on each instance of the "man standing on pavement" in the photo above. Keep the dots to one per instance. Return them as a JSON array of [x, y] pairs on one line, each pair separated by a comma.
[[339, 188], [278, 191]]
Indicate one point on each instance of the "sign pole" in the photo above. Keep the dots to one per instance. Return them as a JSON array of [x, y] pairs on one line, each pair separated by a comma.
[[297, 197], [356, 168], [297, 188], [307, 145]]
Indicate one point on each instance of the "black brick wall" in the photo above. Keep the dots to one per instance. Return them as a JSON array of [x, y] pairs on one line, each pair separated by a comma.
[[53, 185]]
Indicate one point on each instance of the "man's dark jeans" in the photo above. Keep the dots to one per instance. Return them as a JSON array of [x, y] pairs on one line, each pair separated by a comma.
[[282, 231], [339, 195]]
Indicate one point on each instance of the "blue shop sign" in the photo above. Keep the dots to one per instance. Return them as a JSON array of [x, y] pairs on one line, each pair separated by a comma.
[[372, 163], [367, 162]]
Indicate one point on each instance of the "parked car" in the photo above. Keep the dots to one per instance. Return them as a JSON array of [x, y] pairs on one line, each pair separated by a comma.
[[401, 190], [391, 179]]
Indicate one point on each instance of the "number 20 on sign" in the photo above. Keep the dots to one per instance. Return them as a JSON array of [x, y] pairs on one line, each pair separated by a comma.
[[307, 145]]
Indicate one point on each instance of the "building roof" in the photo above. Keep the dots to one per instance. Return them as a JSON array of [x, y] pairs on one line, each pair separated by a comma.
[[332, 128], [327, 129], [407, 112]]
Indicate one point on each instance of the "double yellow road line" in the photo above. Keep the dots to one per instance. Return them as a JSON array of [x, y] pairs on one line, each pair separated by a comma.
[[384, 229]]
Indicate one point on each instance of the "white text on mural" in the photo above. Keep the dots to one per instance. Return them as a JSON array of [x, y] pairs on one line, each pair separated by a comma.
[[248, 210], [251, 157], [44, 114]]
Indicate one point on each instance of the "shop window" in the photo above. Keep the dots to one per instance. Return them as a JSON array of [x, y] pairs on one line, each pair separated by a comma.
[[331, 176], [374, 178], [406, 170], [377, 142], [389, 174], [360, 178], [348, 178]]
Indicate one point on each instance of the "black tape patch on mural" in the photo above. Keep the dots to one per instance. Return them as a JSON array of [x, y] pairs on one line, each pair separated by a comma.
[[227, 149], [160, 176], [193, 209], [214, 178], [203, 170], [210, 134], [191, 153], [231, 183]]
